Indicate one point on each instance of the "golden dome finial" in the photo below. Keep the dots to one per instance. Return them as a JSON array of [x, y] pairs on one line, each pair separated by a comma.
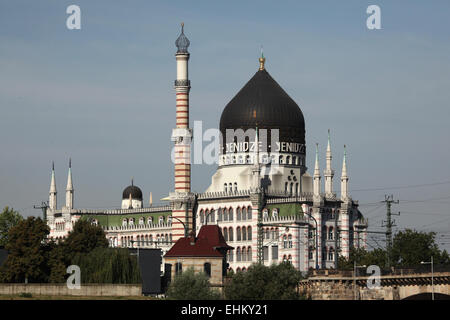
[[262, 60]]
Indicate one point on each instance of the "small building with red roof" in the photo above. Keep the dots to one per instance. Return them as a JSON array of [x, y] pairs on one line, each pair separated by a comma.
[[205, 253]]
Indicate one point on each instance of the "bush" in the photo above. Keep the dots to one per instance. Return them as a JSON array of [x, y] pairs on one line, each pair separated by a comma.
[[259, 282], [191, 286]]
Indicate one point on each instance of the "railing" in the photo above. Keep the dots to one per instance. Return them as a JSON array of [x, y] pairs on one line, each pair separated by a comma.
[[123, 211], [223, 194], [183, 83], [139, 227]]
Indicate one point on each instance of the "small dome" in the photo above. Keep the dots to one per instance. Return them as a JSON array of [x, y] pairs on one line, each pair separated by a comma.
[[136, 193], [182, 42]]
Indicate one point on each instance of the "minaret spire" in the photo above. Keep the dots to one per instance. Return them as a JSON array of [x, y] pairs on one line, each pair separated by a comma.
[[69, 187], [262, 60], [316, 184], [182, 136], [328, 173], [344, 177], [52, 194]]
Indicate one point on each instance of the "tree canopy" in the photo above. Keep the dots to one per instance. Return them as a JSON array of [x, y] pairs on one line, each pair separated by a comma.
[[190, 285], [8, 219], [259, 282]]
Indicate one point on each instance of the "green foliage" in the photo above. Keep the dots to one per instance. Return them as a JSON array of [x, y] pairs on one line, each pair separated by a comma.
[[410, 247], [8, 219], [27, 252], [25, 295], [191, 286], [259, 282], [84, 238], [108, 265], [362, 257]]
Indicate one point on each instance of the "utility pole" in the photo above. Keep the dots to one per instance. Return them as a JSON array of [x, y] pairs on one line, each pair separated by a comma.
[[44, 206], [389, 200]]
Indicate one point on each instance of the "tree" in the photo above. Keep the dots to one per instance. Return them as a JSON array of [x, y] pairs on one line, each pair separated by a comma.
[[259, 282], [8, 219], [410, 247], [84, 238], [191, 286], [362, 257], [27, 252]]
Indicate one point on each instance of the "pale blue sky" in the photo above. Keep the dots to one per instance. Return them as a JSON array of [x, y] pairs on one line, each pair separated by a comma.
[[104, 95]]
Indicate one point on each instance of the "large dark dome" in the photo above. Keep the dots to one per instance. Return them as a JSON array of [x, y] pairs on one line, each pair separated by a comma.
[[136, 193], [264, 104]]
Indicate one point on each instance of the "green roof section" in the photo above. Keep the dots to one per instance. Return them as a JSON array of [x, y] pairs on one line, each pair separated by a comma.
[[115, 220], [286, 209]]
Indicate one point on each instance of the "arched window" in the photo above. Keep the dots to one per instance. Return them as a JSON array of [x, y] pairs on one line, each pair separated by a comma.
[[235, 187], [289, 259], [241, 159], [265, 214], [141, 221], [225, 214], [280, 159], [267, 234], [244, 234], [131, 222], [207, 216], [275, 213], [289, 241], [238, 254], [244, 213], [330, 233], [294, 160], [238, 234], [225, 187], [291, 188], [230, 256], [249, 254], [230, 214], [230, 234], [230, 188], [284, 242], [124, 222], [286, 187], [219, 214], [149, 220], [178, 268], [244, 254], [161, 220], [288, 159], [249, 213], [169, 219], [331, 254], [225, 234], [248, 159], [249, 233], [238, 214], [213, 216], [207, 269]]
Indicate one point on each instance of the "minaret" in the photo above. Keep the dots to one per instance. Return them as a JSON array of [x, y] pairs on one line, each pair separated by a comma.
[[182, 198], [316, 184], [69, 188], [344, 177], [52, 197], [328, 172]]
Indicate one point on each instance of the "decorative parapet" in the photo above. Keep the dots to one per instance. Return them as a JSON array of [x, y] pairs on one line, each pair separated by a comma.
[[122, 211], [139, 227], [294, 219], [361, 223], [286, 197], [223, 194]]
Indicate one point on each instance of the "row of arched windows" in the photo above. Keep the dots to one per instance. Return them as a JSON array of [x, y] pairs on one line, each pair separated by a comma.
[[243, 254], [59, 226], [328, 253], [242, 233], [225, 214], [141, 240], [287, 258], [271, 233], [131, 221], [265, 159], [327, 233], [291, 188]]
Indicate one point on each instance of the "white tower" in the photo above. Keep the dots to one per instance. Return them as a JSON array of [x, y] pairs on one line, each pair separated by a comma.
[[52, 194], [182, 198], [316, 183], [344, 177], [328, 172], [69, 188]]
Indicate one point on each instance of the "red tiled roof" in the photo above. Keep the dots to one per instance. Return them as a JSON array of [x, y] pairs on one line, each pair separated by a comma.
[[207, 242]]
